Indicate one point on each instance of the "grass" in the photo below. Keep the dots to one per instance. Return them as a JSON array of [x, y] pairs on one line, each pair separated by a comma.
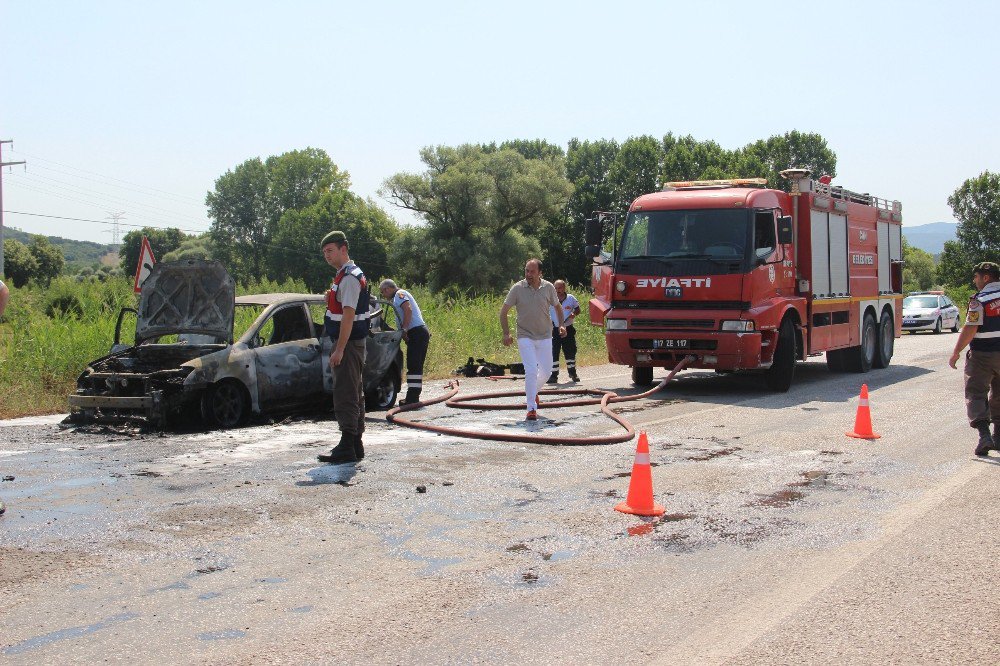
[[43, 348]]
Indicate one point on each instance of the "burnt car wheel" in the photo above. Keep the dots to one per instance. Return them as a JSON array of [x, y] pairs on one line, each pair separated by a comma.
[[225, 405], [383, 396]]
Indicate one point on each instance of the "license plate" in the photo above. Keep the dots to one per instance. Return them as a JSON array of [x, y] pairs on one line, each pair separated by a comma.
[[669, 344]]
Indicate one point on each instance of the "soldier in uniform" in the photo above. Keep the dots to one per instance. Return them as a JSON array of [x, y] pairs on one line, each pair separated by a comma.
[[982, 362], [346, 322]]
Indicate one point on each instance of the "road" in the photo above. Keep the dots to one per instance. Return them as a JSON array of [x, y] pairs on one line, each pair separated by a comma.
[[784, 541]]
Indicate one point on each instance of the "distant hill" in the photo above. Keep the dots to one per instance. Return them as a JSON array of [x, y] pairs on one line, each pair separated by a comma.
[[930, 237], [78, 254]]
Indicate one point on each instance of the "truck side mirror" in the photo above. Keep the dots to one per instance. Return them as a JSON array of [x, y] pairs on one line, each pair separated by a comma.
[[785, 235], [592, 231]]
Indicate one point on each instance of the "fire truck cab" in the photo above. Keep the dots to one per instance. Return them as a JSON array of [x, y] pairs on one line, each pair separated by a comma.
[[742, 277]]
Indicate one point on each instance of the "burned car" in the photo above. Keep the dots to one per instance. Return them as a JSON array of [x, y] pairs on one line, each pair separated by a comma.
[[200, 349]]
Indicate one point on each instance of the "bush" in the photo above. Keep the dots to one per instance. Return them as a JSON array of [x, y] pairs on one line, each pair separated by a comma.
[[64, 306]]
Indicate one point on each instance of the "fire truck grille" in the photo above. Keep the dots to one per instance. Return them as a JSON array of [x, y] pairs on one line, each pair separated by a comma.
[[683, 305], [673, 323]]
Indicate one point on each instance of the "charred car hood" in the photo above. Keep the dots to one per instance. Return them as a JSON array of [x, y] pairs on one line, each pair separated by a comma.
[[191, 296]]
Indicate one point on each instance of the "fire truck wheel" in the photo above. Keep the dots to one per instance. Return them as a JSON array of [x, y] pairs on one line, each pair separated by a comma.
[[779, 375], [886, 340], [642, 376], [861, 358], [937, 326]]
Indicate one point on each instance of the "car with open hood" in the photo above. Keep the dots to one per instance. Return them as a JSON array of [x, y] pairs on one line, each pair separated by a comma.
[[199, 349]]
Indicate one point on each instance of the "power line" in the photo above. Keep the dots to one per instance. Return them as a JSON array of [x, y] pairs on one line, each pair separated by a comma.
[[82, 219], [3, 164], [94, 173], [116, 229]]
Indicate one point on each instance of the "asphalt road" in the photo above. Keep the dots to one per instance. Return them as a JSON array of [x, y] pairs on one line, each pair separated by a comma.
[[784, 541]]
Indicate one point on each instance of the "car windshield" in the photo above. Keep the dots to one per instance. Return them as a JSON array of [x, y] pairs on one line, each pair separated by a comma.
[[920, 302], [685, 234]]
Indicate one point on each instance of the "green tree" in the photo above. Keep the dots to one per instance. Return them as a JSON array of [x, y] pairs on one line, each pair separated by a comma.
[[635, 170], [686, 158], [20, 265], [248, 202], [767, 158], [49, 259], [976, 206], [919, 272], [483, 208], [295, 251], [954, 269], [161, 241], [193, 247]]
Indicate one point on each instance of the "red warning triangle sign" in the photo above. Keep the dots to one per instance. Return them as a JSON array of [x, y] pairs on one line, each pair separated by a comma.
[[146, 261]]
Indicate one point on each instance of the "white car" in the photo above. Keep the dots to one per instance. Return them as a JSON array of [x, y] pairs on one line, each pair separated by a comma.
[[930, 311]]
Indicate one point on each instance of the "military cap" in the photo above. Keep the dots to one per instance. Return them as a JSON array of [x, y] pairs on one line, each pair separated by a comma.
[[987, 268], [333, 237]]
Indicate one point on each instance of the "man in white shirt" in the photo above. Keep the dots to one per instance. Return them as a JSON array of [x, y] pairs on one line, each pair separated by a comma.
[[570, 309]]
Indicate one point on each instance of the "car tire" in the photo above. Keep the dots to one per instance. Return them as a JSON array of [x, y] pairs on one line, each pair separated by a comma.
[[225, 404], [779, 376], [383, 396], [937, 326], [642, 376], [886, 341], [955, 327], [861, 358]]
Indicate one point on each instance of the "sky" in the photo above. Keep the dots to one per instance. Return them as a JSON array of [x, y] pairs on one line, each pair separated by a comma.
[[135, 108]]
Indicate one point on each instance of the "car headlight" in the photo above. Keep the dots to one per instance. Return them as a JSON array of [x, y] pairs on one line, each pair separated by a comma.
[[738, 325], [616, 325]]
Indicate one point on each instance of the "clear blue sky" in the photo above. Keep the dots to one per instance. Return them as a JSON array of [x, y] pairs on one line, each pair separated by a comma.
[[165, 97]]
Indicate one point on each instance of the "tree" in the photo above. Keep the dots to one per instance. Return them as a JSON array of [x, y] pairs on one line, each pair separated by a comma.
[[20, 265], [918, 268], [49, 260], [193, 247], [248, 202], [635, 170], [483, 208], [769, 157], [976, 206], [686, 158], [161, 241], [295, 251]]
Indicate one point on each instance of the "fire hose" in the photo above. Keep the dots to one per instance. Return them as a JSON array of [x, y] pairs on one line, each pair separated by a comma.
[[598, 396]]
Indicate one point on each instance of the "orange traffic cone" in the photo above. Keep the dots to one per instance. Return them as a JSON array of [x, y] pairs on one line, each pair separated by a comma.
[[640, 489], [863, 421]]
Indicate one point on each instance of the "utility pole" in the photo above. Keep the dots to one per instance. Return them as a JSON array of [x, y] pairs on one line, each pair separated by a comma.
[[116, 229], [3, 164]]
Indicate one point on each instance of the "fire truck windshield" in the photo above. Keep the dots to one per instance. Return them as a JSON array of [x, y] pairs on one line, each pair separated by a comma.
[[715, 235]]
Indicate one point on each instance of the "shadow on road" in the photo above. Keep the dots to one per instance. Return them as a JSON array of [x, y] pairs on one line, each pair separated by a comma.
[[813, 383]]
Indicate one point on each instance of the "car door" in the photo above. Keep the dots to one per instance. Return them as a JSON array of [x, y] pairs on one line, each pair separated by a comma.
[[287, 356]]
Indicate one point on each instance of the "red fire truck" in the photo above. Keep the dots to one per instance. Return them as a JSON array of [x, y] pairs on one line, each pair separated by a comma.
[[742, 277]]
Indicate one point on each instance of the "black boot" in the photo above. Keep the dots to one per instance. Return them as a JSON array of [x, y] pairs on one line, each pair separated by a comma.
[[573, 376], [359, 448], [985, 440], [342, 453], [996, 436], [553, 378], [412, 396]]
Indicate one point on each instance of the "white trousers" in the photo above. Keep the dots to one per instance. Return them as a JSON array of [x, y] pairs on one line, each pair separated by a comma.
[[536, 355]]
